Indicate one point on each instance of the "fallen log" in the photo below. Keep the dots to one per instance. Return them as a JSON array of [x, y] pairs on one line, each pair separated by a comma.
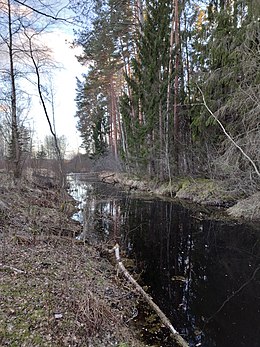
[[176, 336]]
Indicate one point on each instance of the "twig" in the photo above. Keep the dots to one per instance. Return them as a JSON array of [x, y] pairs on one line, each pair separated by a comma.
[[176, 336], [110, 175], [227, 134], [234, 293], [12, 268], [42, 13]]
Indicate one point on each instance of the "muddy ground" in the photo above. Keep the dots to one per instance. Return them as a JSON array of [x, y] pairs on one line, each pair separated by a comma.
[[55, 290]]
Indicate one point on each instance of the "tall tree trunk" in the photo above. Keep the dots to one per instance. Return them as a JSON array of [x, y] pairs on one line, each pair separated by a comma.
[[188, 91], [140, 15], [114, 134], [167, 142], [170, 63], [161, 140], [176, 89], [161, 133], [140, 24], [15, 148], [62, 176]]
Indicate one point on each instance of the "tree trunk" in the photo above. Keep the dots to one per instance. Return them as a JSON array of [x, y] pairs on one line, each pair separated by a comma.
[[167, 142], [140, 15], [15, 148], [176, 88], [161, 140], [114, 133], [62, 176]]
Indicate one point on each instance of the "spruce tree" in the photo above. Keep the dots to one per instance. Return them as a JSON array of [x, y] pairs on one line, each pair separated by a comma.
[[229, 77], [148, 86]]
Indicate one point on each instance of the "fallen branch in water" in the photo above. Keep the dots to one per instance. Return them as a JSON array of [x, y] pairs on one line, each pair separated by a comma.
[[176, 336], [234, 293]]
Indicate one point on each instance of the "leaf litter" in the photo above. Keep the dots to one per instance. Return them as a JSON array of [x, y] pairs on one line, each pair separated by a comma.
[[55, 290]]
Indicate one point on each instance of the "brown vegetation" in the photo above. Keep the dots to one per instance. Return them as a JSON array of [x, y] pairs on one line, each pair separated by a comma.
[[207, 192], [55, 290]]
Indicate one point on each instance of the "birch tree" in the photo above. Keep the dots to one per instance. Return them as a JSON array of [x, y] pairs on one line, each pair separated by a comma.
[[22, 28]]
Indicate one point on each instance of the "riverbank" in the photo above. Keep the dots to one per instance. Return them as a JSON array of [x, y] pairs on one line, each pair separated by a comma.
[[54, 289], [204, 192]]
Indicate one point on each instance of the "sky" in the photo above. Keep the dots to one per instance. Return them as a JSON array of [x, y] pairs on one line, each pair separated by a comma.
[[58, 39], [64, 85]]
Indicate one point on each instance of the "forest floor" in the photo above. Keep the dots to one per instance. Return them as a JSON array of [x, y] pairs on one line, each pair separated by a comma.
[[234, 203], [55, 290]]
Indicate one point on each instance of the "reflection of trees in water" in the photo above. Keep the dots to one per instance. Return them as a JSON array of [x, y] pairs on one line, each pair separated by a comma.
[[108, 220], [191, 266], [165, 243], [230, 262]]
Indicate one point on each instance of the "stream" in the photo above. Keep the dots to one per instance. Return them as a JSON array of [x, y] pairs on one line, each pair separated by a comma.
[[203, 273]]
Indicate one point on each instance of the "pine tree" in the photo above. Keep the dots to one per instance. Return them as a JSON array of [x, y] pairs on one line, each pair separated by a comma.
[[105, 48], [166, 50], [92, 117]]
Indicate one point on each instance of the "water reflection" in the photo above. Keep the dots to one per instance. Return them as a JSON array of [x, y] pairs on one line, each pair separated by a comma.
[[202, 273]]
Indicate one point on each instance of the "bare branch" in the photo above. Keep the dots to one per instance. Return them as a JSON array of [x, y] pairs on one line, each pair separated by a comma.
[[52, 130], [176, 336], [54, 17], [235, 293], [228, 135], [12, 268]]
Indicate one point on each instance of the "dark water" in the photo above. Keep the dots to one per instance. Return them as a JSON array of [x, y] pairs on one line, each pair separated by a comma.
[[204, 274]]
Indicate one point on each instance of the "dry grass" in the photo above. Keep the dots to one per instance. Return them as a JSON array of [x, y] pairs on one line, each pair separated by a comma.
[[54, 290]]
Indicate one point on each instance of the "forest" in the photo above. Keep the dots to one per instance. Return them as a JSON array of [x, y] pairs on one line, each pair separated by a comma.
[[172, 87], [168, 113]]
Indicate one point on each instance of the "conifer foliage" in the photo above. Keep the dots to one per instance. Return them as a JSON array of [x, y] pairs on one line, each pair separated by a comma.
[[147, 62]]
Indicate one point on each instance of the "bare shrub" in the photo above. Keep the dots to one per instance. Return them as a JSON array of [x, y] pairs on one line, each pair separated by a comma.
[[92, 314]]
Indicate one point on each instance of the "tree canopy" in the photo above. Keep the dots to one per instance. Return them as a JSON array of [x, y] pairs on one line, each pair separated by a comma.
[[149, 62]]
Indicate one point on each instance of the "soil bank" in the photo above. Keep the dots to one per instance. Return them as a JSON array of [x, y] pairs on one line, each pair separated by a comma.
[[204, 192]]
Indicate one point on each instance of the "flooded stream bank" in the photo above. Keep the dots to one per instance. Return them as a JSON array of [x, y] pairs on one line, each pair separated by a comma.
[[204, 274]]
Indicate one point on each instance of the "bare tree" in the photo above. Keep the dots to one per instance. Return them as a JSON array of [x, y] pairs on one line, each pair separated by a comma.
[[49, 146], [176, 86], [7, 36], [37, 57], [28, 60]]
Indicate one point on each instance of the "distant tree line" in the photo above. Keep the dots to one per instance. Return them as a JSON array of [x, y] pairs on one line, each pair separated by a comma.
[[149, 65]]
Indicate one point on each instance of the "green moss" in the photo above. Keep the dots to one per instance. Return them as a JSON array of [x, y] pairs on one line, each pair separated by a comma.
[[183, 183], [23, 313]]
